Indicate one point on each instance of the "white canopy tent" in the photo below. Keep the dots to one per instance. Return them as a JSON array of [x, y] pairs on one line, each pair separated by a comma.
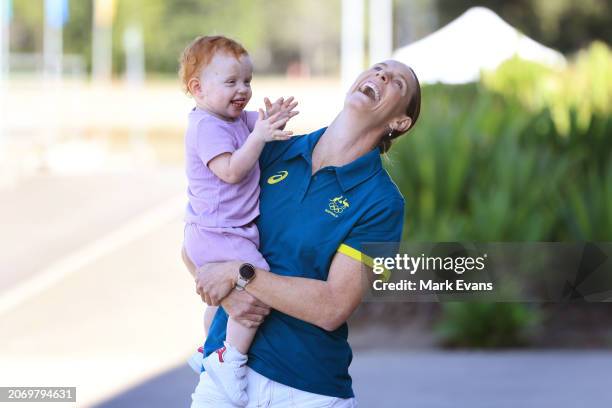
[[477, 40]]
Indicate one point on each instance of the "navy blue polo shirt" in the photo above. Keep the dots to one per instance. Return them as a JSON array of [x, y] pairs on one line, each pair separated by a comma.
[[304, 220]]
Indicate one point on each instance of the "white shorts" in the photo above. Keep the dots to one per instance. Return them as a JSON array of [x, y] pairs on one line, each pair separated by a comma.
[[264, 392]]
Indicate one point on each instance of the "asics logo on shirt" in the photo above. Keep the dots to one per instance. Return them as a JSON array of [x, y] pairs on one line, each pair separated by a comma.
[[277, 178]]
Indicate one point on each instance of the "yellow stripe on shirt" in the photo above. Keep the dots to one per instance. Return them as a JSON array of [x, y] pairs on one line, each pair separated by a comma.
[[363, 258]]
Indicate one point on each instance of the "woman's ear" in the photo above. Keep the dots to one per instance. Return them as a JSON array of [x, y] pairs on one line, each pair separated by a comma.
[[193, 85], [401, 124]]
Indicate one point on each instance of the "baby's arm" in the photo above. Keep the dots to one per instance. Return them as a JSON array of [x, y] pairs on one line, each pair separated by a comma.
[[233, 167]]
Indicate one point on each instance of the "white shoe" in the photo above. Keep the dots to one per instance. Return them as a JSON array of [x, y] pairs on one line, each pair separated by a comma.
[[227, 369], [195, 361]]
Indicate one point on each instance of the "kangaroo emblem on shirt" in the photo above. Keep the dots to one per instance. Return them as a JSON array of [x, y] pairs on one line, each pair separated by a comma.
[[337, 205]]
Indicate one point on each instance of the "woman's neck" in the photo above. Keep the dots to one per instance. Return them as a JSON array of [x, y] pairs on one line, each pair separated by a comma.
[[344, 141]]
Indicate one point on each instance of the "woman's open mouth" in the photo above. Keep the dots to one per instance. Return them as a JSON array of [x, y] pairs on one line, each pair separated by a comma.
[[371, 90]]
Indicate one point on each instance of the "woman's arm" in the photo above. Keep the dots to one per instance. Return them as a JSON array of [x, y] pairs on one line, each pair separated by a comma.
[[327, 304], [239, 305]]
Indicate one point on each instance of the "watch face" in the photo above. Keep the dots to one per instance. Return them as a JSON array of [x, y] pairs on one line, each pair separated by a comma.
[[247, 271]]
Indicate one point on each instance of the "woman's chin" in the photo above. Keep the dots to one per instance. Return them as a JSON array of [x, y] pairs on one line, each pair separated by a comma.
[[359, 103]]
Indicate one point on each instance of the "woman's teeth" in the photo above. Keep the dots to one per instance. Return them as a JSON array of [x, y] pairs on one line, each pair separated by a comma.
[[370, 90]]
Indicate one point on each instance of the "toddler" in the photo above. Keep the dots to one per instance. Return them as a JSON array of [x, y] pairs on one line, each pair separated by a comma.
[[223, 143]]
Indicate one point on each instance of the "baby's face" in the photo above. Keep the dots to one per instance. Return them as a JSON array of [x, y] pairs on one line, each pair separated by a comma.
[[225, 85]]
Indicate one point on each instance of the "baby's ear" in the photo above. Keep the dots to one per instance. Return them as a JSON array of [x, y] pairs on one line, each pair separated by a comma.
[[194, 86]]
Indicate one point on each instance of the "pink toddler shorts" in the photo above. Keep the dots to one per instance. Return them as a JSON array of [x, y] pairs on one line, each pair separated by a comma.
[[211, 244]]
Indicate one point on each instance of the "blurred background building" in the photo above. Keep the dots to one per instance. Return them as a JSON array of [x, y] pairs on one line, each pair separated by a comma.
[[514, 143]]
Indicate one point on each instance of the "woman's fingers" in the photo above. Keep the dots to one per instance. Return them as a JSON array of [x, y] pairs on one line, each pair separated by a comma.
[[248, 323], [255, 318], [267, 103], [255, 306], [259, 304], [258, 310]]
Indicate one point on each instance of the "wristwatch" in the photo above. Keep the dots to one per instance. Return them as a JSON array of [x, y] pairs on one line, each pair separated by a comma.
[[246, 273]]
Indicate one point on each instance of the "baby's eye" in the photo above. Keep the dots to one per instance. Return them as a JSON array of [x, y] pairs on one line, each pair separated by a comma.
[[398, 83], [230, 81], [377, 68]]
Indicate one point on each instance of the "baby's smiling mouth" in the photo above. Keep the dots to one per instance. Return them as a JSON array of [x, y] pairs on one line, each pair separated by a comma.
[[239, 102]]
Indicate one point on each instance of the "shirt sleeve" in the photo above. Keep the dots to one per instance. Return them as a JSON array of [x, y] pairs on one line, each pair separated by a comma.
[[250, 118], [382, 225], [213, 140]]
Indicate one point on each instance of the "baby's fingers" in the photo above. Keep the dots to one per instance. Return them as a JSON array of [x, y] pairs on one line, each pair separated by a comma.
[[279, 102], [292, 114], [274, 118], [280, 122], [282, 134], [267, 103], [288, 102]]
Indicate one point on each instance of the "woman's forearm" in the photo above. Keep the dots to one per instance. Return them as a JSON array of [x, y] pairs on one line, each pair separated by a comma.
[[294, 296], [326, 304]]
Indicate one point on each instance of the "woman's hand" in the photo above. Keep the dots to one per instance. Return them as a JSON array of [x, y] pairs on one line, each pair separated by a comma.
[[214, 281], [244, 308]]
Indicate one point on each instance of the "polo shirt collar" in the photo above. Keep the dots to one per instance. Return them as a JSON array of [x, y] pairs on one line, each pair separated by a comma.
[[349, 175], [358, 171], [304, 146]]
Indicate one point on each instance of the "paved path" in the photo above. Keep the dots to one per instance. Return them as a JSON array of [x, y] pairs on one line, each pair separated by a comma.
[[438, 380], [45, 217]]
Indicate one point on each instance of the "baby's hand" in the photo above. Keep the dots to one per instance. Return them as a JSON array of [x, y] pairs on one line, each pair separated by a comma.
[[282, 106], [269, 129]]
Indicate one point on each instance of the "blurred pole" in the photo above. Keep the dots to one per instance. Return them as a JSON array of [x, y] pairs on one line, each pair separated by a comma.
[[133, 46], [381, 30], [352, 52], [56, 15], [5, 19], [102, 47]]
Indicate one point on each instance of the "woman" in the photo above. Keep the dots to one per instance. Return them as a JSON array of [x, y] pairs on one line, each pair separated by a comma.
[[322, 196]]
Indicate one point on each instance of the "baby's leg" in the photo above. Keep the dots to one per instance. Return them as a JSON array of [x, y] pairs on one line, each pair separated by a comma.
[[209, 314], [246, 241], [239, 336]]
